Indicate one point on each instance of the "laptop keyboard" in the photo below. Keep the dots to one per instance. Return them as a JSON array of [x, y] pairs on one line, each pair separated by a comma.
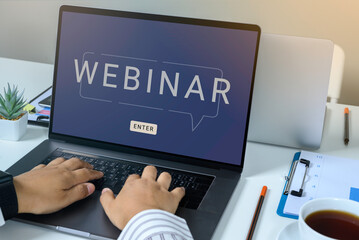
[[116, 172]]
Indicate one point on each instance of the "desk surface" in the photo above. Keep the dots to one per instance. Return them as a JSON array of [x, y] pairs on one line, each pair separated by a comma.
[[264, 164]]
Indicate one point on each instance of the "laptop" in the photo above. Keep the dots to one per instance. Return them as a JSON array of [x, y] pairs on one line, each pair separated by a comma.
[[290, 93], [133, 89]]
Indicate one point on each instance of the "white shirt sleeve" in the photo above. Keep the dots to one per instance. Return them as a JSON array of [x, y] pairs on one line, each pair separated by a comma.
[[2, 220], [156, 224]]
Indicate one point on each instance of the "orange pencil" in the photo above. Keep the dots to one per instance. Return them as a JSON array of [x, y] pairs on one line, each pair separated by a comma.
[[256, 213], [346, 126]]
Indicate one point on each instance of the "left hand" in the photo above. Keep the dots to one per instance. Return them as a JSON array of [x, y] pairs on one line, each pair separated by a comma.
[[49, 188]]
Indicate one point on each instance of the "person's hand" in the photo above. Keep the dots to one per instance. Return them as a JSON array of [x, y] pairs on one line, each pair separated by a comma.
[[49, 188], [139, 194]]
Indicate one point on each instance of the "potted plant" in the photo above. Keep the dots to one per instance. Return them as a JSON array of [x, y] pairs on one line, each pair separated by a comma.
[[13, 119]]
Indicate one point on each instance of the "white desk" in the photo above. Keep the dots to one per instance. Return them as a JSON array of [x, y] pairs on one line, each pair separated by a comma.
[[264, 164]]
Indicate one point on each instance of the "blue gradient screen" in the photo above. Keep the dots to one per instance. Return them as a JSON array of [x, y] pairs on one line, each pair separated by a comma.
[[171, 87]]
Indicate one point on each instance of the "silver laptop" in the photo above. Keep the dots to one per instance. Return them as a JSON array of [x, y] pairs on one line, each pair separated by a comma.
[[290, 91], [134, 89]]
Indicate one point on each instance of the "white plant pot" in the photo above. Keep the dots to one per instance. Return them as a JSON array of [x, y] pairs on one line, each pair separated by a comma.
[[13, 130]]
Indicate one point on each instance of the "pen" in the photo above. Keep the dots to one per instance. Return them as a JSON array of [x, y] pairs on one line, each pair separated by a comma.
[[256, 213], [346, 126]]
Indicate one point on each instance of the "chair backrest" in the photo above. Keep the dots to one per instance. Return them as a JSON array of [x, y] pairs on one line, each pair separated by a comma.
[[336, 74]]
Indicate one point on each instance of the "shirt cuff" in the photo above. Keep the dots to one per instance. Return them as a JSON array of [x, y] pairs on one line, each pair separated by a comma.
[[2, 220], [156, 223]]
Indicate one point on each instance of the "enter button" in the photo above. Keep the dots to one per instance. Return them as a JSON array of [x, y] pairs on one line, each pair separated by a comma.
[[143, 127]]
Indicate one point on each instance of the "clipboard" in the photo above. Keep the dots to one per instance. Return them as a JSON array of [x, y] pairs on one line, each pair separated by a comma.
[[38, 118], [283, 199], [314, 175]]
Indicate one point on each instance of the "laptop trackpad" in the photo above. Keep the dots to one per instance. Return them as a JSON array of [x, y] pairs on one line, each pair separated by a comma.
[[86, 216]]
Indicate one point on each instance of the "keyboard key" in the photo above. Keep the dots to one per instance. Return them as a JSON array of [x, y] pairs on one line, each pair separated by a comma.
[[109, 184], [81, 157], [101, 168], [67, 156], [57, 154], [112, 164], [192, 179], [192, 186], [89, 160]]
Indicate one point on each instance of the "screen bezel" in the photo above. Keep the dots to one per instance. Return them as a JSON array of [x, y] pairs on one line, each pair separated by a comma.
[[141, 151]]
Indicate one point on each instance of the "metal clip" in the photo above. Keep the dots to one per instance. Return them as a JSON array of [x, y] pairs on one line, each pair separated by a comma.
[[290, 178]]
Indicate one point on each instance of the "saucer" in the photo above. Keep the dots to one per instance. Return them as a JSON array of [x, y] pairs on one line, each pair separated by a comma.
[[289, 232]]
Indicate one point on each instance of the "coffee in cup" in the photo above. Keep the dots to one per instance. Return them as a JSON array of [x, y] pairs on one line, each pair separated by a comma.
[[328, 219], [334, 224]]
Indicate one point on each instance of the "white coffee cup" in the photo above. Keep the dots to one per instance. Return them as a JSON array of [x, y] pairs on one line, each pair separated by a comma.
[[320, 204]]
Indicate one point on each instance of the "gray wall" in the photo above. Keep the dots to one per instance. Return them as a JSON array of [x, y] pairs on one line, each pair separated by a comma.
[[28, 28]]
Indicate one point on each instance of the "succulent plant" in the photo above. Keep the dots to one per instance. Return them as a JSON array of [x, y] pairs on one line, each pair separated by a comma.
[[11, 103]]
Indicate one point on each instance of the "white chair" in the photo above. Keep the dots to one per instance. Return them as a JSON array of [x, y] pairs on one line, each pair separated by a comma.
[[336, 74]]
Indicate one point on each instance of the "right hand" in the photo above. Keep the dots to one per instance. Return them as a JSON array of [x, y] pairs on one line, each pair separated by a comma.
[[139, 194], [49, 188]]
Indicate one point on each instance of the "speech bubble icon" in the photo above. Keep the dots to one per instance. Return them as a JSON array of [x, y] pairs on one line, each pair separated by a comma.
[[199, 85]]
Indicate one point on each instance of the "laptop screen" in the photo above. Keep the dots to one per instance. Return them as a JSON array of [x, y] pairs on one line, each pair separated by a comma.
[[173, 85]]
